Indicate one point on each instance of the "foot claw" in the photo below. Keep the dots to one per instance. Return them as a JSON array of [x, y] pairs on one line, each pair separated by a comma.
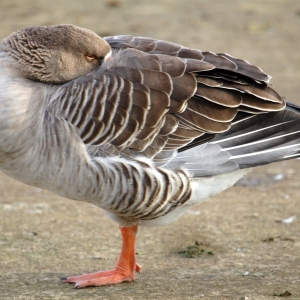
[[76, 286], [138, 268]]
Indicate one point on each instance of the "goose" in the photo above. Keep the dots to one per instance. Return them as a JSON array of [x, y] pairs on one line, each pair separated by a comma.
[[141, 127]]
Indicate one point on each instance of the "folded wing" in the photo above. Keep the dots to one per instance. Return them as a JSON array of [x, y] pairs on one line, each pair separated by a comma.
[[156, 98]]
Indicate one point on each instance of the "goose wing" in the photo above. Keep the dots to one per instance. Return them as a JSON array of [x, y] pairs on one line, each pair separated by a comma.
[[154, 98]]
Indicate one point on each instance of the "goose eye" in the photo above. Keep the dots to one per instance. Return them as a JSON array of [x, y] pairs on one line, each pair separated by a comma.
[[90, 57]]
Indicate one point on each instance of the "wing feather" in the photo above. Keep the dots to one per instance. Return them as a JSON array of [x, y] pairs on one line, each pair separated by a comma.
[[155, 97]]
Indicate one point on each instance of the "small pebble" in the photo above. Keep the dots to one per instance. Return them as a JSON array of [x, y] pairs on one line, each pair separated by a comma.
[[279, 177]]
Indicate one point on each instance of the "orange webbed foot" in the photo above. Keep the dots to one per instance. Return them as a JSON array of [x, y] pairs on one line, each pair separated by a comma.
[[125, 268], [101, 278]]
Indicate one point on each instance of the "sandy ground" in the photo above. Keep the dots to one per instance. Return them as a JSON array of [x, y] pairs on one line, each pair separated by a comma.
[[246, 251]]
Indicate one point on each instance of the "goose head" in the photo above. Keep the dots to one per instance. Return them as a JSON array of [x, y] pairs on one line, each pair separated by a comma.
[[55, 54]]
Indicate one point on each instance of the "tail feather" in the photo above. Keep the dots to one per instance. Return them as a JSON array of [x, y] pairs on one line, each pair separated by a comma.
[[251, 141]]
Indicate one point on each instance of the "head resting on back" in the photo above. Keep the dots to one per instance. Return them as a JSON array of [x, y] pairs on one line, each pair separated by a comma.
[[55, 54]]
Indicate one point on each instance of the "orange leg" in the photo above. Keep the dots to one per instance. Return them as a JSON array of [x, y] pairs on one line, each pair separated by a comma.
[[124, 270]]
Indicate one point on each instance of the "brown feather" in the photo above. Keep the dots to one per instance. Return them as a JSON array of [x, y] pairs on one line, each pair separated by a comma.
[[174, 66], [212, 110], [157, 80], [160, 102], [184, 87], [170, 125], [219, 61], [177, 107], [200, 122], [129, 73], [229, 98], [260, 104], [247, 69], [190, 53], [187, 132], [193, 65], [209, 81], [127, 135], [263, 92]]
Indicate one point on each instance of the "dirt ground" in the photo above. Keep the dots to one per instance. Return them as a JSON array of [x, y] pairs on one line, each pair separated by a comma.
[[244, 250]]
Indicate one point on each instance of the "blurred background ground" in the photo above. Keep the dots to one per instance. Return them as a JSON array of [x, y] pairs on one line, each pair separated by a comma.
[[246, 252]]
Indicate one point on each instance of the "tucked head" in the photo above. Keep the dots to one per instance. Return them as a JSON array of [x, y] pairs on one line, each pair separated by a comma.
[[56, 54]]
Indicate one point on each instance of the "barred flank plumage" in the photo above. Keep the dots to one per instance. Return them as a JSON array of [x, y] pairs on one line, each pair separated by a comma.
[[140, 192]]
